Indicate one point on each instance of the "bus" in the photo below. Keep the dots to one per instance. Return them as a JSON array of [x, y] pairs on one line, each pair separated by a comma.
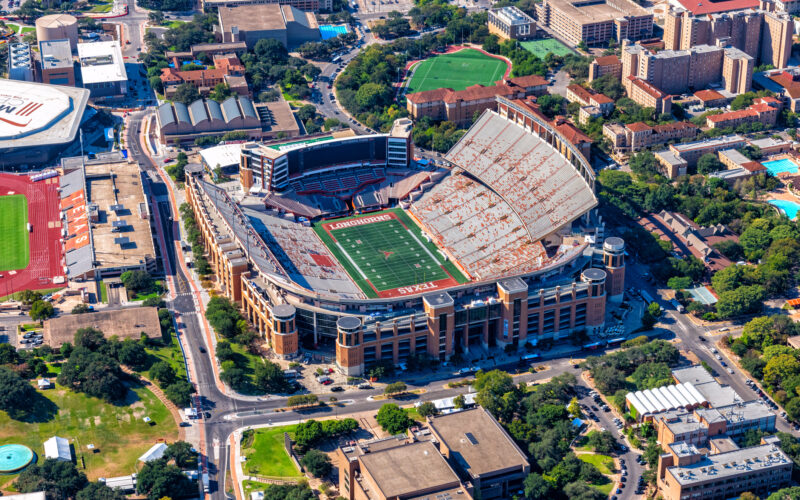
[[336, 59], [646, 297], [678, 306]]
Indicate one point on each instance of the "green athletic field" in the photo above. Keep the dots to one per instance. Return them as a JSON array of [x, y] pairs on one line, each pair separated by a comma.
[[14, 243], [540, 48], [457, 71], [387, 254]]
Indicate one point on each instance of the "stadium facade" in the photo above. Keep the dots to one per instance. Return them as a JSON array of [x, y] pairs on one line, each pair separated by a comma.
[[513, 212], [37, 121]]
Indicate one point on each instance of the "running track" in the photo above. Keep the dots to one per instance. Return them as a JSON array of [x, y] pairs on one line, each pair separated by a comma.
[[45, 241]]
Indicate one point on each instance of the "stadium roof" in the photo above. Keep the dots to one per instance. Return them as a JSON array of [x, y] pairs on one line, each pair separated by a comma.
[[38, 114], [101, 62], [542, 187]]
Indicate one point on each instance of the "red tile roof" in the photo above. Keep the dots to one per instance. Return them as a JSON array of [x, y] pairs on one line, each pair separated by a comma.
[[708, 95], [638, 127], [732, 115], [787, 82], [582, 93], [607, 60], [754, 166], [649, 89], [660, 129], [478, 91], [602, 98], [569, 131], [700, 7], [529, 81], [762, 107], [429, 95]]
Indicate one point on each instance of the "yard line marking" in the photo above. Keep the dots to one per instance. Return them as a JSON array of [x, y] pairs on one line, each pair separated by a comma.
[[424, 247], [352, 261]]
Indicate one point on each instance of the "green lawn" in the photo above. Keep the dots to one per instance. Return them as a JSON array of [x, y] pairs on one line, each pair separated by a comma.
[[103, 292], [386, 254], [171, 354], [14, 244], [266, 455], [605, 489], [604, 463], [117, 432], [457, 71], [540, 48]]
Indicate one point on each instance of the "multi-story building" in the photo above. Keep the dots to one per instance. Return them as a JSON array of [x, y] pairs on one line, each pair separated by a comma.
[[460, 106], [737, 71], [251, 23], [646, 95], [56, 66], [676, 160], [227, 69], [605, 65], [510, 23], [515, 295], [103, 69], [711, 98], [785, 83], [588, 97], [206, 117], [635, 136], [761, 113], [762, 35], [308, 5], [595, 22]]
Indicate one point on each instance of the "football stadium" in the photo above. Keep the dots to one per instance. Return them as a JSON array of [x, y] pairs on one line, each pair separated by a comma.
[[350, 245]]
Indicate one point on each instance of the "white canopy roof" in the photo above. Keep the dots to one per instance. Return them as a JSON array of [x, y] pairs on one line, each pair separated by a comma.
[[154, 453], [58, 448]]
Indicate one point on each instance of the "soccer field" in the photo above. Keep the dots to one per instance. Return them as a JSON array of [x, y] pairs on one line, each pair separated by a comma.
[[540, 48], [14, 242], [386, 255], [457, 71]]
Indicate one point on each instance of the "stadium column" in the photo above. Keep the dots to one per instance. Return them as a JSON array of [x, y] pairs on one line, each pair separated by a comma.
[[513, 294], [596, 302], [349, 353], [614, 261], [440, 309], [285, 340]]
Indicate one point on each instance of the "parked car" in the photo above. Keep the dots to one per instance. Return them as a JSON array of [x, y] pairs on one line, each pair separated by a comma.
[[337, 388]]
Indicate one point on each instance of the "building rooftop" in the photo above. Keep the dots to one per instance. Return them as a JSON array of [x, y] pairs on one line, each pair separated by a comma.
[[647, 87], [101, 62], [55, 54], [512, 15], [723, 444], [731, 464], [593, 11], [477, 441], [735, 156], [263, 17], [401, 471], [700, 7], [607, 60], [715, 143], [708, 95], [129, 322]]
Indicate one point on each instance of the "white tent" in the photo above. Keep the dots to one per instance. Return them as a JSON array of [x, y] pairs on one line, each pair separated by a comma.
[[154, 453], [57, 448]]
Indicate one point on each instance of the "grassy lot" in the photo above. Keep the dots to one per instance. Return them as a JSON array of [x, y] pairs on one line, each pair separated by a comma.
[[412, 413], [246, 361], [28, 29], [158, 286], [14, 245], [540, 48], [605, 489], [457, 71], [171, 354], [117, 432], [103, 292], [45, 291], [266, 455], [604, 463]]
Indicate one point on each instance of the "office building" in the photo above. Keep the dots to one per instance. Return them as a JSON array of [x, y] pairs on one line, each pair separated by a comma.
[[460, 106], [631, 137], [56, 66], [249, 24], [605, 65], [103, 69], [595, 22], [307, 5], [510, 23]]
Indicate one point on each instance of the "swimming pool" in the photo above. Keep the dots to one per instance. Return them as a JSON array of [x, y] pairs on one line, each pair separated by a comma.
[[332, 30], [790, 208], [776, 167]]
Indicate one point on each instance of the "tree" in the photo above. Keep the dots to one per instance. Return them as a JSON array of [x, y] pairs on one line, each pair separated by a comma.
[[80, 309], [492, 389], [186, 93], [579, 490], [225, 351], [163, 373], [89, 338], [743, 300], [132, 354], [602, 442], [609, 86], [182, 453], [393, 419], [459, 402], [679, 282], [93, 373], [269, 377], [99, 491], [395, 388], [317, 463], [781, 367], [221, 92], [28, 297], [426, 409], [537, 487], [288, 492], [41, 310], [308, 433], [8, 354], [180, 392], [224, 317], [754, 241], [57, 478], [138, 282], [17, 396], [708, 163], [270, 51], [551, 104], [574, 408], [159, 479], [307, 112]]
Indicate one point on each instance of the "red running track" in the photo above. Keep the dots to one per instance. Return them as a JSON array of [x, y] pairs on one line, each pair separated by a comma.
[[46, 251]]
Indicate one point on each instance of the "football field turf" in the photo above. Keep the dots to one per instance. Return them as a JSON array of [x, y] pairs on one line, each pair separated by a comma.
[[540, 48], [14, 242], [457, 71], [386, 254]]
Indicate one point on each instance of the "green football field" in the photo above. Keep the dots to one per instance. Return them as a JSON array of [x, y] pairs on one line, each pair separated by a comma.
[[14, 243], [540, 48], [386, 254], [457, 71]]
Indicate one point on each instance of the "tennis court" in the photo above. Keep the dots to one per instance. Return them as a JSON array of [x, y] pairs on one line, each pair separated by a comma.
[[457, 71], [540, 48], [386, 255], [14, 244]]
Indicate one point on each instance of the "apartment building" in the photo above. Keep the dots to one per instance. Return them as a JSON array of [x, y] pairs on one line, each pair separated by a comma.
[[465, 454], [766, 36], [646, 95], [459, 106], [785, 83], [590, 98], [227, 69], [595, 22], [605, 65], [757, 113], [635, 136], [737, 71], [510, 23], [676, 160]]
